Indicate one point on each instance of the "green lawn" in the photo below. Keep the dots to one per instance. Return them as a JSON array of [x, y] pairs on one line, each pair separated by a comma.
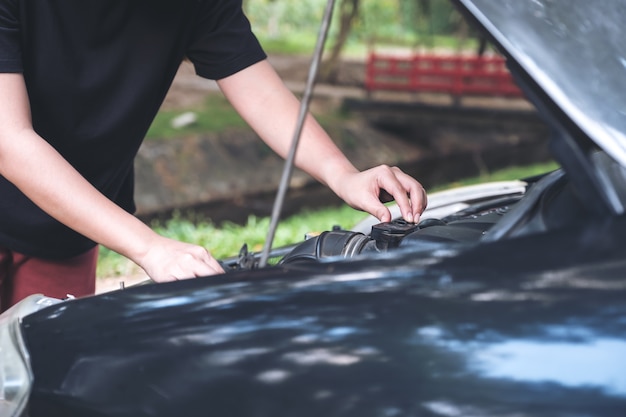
[[214, 115]]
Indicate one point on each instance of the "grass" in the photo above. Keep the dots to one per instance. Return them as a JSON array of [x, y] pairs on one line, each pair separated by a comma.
[[303, 43], [225, 240], [214, 115]]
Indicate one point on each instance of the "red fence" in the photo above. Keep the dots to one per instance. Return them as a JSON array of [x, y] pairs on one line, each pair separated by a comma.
[[456, 75]]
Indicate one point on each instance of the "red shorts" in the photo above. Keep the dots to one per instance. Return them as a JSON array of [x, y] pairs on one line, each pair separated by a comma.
[[21, 276]]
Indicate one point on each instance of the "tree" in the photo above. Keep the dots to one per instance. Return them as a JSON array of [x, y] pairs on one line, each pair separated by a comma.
[[348, 12]]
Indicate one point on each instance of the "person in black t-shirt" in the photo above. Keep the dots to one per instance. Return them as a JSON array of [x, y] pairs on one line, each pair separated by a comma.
[[80, 83]]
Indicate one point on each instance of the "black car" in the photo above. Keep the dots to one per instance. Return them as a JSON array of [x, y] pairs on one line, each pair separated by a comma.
[[508, 299]]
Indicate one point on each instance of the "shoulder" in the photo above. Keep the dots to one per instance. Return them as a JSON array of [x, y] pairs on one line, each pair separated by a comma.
[[10, 53], [9, 14]]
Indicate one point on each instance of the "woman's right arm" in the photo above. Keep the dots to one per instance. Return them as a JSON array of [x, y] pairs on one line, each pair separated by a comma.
[[44, 176]]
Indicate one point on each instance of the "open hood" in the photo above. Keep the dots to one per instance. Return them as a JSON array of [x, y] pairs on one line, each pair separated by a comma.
[[570, 58], [574, 50]]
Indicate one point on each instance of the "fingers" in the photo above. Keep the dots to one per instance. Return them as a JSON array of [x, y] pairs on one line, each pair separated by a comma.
[[368, 190], [416, 196], [196, 263], [171, 260], [405, 190]]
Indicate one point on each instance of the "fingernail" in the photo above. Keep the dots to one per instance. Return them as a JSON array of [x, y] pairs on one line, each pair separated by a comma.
[[409, 218]]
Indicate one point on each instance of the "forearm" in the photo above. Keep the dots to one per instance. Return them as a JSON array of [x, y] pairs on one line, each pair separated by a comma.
[[44, 176], [52, 184], [33, 166], [273, 112]]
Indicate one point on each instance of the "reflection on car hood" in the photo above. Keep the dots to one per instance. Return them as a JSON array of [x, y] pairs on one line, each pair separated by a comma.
[[574, 51], [502, 329]]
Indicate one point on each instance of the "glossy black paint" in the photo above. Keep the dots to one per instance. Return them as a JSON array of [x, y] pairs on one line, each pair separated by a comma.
[[527, 317], [569, 58], [505, 328]]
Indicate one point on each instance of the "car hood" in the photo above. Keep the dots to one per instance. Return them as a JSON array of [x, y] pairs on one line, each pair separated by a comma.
[[503, 329], [570, 57]]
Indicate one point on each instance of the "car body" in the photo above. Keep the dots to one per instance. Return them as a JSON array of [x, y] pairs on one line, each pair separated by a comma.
[[508, 299]]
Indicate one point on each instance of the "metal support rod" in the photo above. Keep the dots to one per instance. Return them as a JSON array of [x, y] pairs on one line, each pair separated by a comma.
[[304, 110]]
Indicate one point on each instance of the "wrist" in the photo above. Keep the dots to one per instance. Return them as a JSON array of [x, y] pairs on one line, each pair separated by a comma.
[[134, 241], [335, 173]]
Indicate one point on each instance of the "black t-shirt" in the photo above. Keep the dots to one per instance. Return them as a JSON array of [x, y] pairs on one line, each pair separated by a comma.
[[97, 72]]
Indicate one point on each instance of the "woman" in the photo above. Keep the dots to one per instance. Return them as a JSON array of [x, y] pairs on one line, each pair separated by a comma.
[[80, 83]]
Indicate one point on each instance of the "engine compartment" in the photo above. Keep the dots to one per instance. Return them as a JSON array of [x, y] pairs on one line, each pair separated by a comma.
[[549, 202], [427, 234]]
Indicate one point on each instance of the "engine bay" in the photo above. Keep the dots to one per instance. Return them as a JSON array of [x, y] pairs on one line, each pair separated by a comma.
[[549, 202]]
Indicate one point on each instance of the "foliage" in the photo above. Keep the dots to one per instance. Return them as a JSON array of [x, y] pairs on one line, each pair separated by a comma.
[[281, 18], [404, 22]]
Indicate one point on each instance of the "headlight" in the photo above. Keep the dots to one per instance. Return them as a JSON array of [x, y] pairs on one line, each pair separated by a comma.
[[15, 373]]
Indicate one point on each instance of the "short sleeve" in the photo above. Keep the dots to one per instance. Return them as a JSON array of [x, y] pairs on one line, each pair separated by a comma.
[[10, 49], [223, 42]]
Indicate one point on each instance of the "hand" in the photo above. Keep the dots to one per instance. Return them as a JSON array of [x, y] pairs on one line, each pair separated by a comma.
[[363, 191], [171, 260]]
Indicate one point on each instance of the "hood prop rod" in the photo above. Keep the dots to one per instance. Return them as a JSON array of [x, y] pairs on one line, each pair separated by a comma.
[[304, 110]]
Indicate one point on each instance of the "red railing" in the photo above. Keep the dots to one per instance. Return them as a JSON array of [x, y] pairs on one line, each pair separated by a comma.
[[455, 75]]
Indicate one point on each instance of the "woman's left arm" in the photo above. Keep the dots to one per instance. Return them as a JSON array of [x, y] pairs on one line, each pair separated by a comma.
[[262, 99]]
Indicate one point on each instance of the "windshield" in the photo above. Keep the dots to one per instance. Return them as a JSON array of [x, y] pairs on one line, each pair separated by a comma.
[[576, 51]]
